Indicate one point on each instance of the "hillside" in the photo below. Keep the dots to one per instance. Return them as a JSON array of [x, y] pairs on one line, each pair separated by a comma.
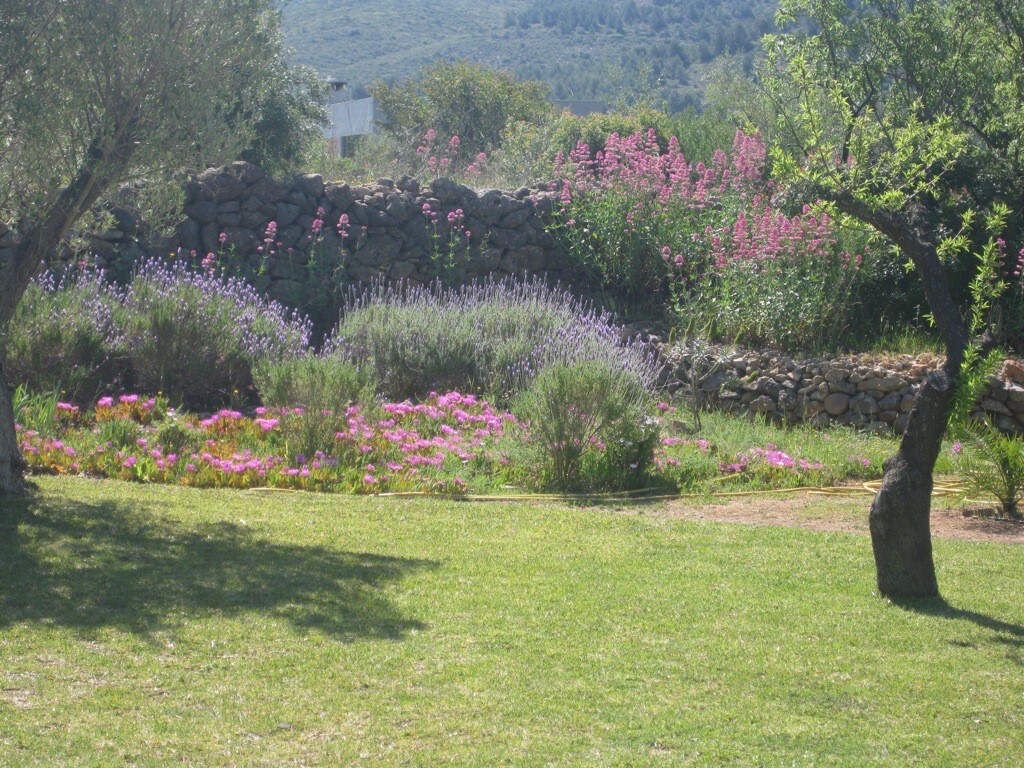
[[583, 49]]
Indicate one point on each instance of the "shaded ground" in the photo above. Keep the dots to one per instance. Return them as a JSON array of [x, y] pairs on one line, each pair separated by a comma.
[[834, 514]]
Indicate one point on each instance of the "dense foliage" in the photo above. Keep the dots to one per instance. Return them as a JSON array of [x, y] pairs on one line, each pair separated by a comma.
[[192, 335], [654, 227], [461, 99], [581, 427]]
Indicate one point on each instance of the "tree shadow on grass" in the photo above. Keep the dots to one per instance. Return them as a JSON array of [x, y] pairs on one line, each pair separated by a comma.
[[1007, 632], [90, 566]]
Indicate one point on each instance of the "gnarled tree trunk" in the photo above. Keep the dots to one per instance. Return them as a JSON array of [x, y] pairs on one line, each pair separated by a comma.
[[12, 468], [104, 163], [900, 519]]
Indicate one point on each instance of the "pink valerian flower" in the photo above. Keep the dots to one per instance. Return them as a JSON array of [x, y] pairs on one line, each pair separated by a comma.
[[269, 238], [476, 168], [210, 262]]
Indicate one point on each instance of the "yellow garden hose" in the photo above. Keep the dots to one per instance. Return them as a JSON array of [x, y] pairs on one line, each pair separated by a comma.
[[870, 488]]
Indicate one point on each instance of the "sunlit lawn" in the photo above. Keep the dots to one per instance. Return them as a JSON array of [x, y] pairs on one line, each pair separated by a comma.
[[156, 625]]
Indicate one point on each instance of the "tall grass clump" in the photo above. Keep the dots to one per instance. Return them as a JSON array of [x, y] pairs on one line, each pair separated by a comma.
[[495, 336], [65, 336], [197, 335]]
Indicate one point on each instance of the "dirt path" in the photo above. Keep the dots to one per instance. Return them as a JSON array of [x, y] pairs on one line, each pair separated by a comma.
[[820, 513]]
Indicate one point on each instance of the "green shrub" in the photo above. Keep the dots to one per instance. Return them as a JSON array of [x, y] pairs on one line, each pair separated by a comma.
[[196, 336], [995, 467], [591, 424], [64, 336], [120, 433], [176, 437], [324, 383], [323, 388]]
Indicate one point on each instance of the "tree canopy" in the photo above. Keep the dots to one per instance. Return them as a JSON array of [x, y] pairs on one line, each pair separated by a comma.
[[99, 93], [473, 102]]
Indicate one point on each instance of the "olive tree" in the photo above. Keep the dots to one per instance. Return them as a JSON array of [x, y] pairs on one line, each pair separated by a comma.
[[903, 114], [93, 94]]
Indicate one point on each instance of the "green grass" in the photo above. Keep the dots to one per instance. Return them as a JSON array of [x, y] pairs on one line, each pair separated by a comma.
[[154, 625]]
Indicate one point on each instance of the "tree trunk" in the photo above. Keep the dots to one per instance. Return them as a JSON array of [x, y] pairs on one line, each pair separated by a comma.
[[105, 161], [12, 467], [900, 519]]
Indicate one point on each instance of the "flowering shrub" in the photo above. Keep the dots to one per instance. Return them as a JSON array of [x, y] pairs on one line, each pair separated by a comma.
[[653, 226], [495, 336], [779, 280], [65, 335], [636, 216], [196, 335], [192, 334], [442, 157]]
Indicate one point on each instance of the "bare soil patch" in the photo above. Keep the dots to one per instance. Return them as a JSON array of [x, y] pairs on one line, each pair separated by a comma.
[[834, 514]]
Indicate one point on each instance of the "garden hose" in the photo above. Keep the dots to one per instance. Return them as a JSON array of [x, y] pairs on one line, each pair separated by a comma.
[[869, 488]]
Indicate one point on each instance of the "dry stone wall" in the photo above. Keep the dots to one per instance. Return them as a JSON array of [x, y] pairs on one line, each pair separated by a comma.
[[390, 233], [866, 391]]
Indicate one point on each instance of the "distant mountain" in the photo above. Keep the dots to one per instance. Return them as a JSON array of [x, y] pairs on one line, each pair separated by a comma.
[[584, 49]]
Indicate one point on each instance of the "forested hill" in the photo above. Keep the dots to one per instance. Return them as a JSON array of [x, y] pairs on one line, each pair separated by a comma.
[[584, 49]]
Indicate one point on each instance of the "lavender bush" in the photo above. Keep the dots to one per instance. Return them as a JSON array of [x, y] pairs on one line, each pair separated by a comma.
[[192, 335], [495, 336], [197, 335], [65, 335]]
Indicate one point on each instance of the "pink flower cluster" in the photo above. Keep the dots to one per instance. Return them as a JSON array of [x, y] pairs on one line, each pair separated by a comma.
[[636, 163], [763, 237], [426, 446], [770, 456]]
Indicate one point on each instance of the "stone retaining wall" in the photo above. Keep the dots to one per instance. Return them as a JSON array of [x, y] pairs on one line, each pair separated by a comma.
[[390, 234], [867, 391]]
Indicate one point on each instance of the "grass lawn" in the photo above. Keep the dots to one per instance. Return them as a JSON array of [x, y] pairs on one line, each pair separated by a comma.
[[159, 625]]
